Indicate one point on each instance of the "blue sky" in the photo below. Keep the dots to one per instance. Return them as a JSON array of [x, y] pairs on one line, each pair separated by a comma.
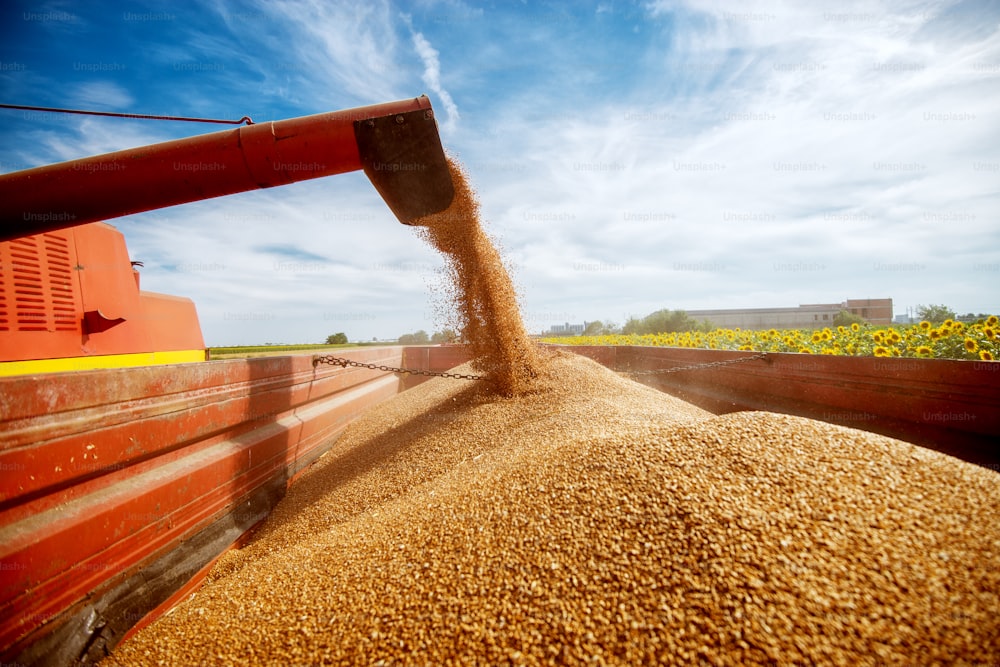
[[629, 156]]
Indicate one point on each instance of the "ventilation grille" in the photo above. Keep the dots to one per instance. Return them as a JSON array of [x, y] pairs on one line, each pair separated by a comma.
[[5, 271], [37, 285]]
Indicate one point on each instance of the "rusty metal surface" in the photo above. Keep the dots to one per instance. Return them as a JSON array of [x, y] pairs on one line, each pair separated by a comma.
[[950, 406], [105, 471]]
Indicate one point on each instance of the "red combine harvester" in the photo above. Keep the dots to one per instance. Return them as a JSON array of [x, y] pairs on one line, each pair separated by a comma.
[[121, 483], [69, 296]]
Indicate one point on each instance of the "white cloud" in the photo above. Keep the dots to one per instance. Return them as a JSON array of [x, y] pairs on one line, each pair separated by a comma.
[[360, 271], [101, 96], [338, 49], [797, 157], [767, 156], [772, 156], [432, 76], [69, 137]]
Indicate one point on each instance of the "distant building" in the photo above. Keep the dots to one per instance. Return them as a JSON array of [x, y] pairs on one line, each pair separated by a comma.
[[567, 329], [806, 316], [876, 311]]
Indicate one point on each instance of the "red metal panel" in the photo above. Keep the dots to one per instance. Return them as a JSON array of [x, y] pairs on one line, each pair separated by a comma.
[[176, 448], [170, 322], [107, 284]]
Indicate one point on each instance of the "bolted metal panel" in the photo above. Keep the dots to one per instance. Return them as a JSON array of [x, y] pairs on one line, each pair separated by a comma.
[[403, 158]]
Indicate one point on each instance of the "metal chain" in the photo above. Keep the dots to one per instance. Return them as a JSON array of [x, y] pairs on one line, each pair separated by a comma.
[[695, 367], [344, 363]]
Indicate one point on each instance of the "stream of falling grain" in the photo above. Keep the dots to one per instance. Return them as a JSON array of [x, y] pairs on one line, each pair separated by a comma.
[[481, 291]]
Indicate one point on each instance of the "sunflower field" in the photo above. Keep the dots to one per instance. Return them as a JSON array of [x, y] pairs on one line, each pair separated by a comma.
[[951, 339]]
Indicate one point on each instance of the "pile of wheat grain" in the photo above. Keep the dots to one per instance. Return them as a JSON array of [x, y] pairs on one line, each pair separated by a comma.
[[593, 520], [579, 517]]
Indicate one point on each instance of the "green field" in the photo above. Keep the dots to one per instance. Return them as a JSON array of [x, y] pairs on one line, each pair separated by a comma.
[[273, 350]]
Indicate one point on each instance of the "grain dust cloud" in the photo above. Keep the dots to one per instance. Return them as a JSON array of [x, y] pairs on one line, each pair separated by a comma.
[[481, 291]]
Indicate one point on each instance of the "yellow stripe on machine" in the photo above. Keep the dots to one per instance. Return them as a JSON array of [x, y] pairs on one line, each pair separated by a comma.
[[34, 366]]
